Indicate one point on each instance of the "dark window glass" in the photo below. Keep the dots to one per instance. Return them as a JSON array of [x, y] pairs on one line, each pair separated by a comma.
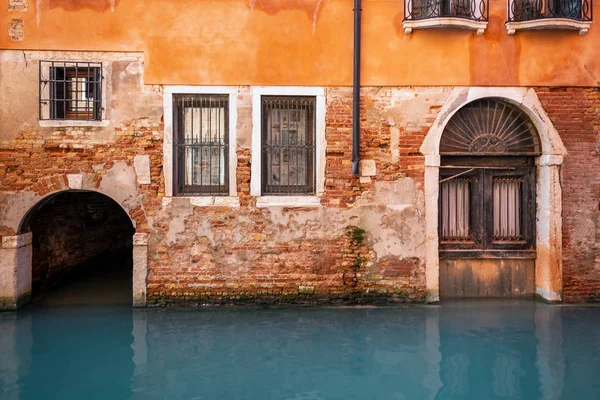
[[201, 141], [70, 90], [288, 145]]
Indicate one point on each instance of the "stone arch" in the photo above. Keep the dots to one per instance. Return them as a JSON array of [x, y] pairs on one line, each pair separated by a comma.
[[24, 225], [16, 251], [548, 275], [525, 99]]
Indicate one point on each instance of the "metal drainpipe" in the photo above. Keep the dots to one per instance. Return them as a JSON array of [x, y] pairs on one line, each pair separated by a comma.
[[356, 92]]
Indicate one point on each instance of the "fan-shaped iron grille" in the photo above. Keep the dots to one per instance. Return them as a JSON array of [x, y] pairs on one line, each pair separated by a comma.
[[490, 127]]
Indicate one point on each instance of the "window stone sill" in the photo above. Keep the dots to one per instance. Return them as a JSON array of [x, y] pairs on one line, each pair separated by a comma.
[[445, 23], [67, 123], [550, 24], [288, 201], [206, 201]]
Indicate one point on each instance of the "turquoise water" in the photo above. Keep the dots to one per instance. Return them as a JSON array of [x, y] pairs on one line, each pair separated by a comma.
[[463, 350]]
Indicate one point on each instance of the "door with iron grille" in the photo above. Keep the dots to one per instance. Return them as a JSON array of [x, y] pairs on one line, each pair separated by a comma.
[[487, 202]]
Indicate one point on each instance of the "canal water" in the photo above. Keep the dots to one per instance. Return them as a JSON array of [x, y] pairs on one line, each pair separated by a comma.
[[459, 350]]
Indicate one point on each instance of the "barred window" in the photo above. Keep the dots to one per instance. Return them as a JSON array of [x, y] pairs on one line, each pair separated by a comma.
[[201, 133], [288, 145], [70, 91]]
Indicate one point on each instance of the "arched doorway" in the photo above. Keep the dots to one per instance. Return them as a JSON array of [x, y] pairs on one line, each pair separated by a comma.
[[82, 246], [487, 201], [548, 212]]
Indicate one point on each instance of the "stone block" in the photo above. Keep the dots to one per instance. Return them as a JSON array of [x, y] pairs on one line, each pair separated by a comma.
[[368, 168], [141, 164], [140, 239], [306, 290], [75, 181], [15, 242]]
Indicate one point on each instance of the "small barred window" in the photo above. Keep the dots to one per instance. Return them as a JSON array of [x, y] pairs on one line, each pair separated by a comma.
[[70, 91]]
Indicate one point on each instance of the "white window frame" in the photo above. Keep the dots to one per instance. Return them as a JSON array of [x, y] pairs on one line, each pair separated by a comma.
[[231, 200], [320, 146]]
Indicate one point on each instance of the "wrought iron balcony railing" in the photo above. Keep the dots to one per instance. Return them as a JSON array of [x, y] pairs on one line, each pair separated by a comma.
[[474, 10], [530, 10]]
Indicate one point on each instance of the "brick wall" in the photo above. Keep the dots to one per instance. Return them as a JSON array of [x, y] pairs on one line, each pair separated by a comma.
[[216, 254], [575, 113], [37, 162], [307, 255], [72, 228], [249, 253]]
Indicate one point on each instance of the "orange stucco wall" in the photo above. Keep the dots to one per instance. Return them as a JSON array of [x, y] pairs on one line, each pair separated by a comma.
[[305, 42]]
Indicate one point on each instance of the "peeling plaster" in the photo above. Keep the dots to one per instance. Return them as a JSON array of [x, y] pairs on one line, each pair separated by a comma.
[[119, 183], [178, 214], [17, 206], [205, 230]]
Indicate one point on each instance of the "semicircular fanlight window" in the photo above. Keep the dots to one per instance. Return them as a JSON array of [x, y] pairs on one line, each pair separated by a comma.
[[490, 127]]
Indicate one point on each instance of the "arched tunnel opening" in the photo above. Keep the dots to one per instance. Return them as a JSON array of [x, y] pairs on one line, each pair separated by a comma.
[[81, 250]]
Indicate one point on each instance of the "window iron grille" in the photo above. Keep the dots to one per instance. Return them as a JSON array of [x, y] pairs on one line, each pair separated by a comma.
[[70, 90], [475, 10], [201, 133], [288, 145], [528, 10]]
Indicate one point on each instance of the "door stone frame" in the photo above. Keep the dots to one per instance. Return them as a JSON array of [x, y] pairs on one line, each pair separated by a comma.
[[548, 264]]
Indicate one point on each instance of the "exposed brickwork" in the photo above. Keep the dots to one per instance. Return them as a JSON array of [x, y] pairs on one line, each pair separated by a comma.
[[575, 113], [17, 5], [38, 161], [227, 254], [381, 113], [214, 254], [15, 30], [250, 268], [221, 254]]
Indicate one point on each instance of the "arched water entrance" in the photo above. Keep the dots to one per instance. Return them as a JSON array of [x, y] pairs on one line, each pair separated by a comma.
[[81, 249]]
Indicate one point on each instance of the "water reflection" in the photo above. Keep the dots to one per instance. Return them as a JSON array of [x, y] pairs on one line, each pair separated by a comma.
[[466, 350]]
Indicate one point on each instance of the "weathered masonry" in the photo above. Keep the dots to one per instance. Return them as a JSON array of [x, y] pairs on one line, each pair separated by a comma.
[[234, 185]]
